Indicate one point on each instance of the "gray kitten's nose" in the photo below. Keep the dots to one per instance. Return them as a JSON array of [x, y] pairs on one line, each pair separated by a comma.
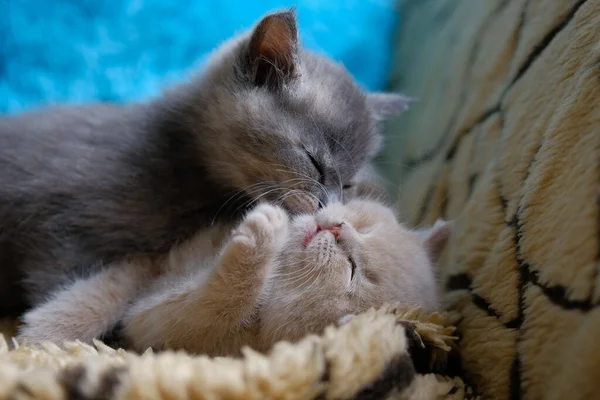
[[333, 195]]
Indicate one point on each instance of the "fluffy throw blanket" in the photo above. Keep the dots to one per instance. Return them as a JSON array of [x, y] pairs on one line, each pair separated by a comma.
[[507, 142], [378, 355]]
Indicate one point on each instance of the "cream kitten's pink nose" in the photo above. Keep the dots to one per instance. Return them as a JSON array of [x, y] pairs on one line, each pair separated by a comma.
[[309, 233], [312, 230], [334, 229]]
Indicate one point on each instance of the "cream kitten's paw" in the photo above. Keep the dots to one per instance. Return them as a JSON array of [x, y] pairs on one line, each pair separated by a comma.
[[266, 225]]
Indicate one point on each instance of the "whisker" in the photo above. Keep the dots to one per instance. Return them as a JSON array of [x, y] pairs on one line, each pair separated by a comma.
[[236, 194], [308, 179]]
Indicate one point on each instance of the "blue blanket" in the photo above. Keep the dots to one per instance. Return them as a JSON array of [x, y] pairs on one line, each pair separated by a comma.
[[76, 51]]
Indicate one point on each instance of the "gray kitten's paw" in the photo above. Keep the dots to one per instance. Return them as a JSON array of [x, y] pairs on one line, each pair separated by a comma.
[[266, 225], [345, 319]]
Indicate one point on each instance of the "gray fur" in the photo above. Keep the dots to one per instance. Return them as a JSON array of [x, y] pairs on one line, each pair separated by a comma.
[[81, 187]]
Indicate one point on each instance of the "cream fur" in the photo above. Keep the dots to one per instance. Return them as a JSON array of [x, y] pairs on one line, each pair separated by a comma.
[[263, 283]]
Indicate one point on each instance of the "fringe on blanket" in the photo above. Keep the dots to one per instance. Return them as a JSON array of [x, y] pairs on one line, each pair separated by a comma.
[[391, 353]]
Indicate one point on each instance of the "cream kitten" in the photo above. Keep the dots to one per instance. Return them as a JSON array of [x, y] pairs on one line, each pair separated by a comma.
[[272, 279]]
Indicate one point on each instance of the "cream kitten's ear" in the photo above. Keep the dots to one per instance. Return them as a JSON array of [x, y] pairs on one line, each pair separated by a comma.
[[436, 238]]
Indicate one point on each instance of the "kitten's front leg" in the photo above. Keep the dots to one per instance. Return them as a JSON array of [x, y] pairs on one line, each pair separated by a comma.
[[198, 316], [247, 261]]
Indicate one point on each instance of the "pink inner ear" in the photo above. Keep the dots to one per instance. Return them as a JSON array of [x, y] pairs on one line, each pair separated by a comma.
[[274, 42]]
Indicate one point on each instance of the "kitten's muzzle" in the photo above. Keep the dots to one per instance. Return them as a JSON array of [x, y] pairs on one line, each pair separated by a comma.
[[335, 229], [314, 230], [299, 202]]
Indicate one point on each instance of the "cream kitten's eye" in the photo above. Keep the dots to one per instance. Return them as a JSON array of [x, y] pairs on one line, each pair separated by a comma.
[[365, 230], [353, 266]]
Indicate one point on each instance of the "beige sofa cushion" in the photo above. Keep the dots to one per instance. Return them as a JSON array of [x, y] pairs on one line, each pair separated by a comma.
[[506, 141]]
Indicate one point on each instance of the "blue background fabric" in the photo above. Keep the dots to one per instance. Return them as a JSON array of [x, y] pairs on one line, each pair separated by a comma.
[[77, 51]]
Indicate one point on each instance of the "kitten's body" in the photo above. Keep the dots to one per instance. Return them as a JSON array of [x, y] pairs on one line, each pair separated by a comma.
[[92, 197], [273, 279], [85, 187]]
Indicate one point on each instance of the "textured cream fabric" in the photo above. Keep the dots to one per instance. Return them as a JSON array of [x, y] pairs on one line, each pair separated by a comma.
[[368, 358], [506, 141]]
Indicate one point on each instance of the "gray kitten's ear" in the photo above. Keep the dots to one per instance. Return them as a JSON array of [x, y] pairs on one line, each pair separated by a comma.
[[273, 49], [387, 105], [436, 238]]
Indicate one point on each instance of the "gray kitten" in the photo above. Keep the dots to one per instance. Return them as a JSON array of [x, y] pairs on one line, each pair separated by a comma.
[[82, 187]]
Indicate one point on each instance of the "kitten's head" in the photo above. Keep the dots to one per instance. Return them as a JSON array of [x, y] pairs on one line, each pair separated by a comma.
[[284, 123], [344, 260]]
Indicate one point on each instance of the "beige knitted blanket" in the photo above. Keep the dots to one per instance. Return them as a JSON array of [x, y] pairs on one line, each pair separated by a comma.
[[377, 355], [506, 140]]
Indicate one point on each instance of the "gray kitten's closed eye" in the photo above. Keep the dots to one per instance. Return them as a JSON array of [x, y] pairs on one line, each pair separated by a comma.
[[82, 187]]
